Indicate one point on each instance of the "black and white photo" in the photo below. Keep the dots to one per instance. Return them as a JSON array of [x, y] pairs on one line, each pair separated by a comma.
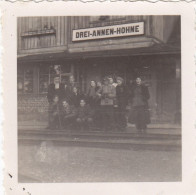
[[99, 98]]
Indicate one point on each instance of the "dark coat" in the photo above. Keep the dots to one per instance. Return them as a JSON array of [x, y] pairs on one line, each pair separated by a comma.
[[92, 96], [143, 111], [145, 94], [70, 86], [65, 94], [53, 92], [68, 112], [84, 112], [121, 96], [75, 99]]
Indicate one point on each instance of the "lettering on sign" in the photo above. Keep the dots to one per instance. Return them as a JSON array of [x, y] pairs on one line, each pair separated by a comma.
[[108, 31]]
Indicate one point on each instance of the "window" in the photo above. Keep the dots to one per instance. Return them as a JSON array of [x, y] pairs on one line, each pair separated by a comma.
[[43, 79], [47, 74], [25, 81]]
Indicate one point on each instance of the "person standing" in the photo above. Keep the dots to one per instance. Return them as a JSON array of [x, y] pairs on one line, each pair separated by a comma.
[[139, 96], [54, 89], [98, 111], [111, 81], [54, 115], [65, 92], [71, 83], [121, 103], [75, 97], [91, 94], [108, 94]]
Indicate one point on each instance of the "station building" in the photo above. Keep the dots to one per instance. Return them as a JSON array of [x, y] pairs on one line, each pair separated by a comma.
[[91, 47]]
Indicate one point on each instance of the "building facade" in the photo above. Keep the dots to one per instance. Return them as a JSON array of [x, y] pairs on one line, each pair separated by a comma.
[[91, 47]]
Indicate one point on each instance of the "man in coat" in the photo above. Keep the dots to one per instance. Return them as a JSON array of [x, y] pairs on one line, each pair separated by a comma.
[[54, 90], [108, 95], [84, 115], [68, 114], [65, 93], [71, 83], [139, 96]]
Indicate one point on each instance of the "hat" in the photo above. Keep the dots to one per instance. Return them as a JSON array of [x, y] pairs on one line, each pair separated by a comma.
[[120, 78]]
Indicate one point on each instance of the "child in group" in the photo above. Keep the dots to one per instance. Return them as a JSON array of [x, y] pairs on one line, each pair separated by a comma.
[[54, 114], [68, 114], [84, 115]]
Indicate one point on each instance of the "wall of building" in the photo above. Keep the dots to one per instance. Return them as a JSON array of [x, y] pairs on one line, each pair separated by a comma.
[[161, 73], [32, 109], [158, 72], [30, 41]]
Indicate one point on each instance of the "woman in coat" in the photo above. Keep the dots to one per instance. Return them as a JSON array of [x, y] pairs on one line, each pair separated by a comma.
[[121, 103], [139, 96]]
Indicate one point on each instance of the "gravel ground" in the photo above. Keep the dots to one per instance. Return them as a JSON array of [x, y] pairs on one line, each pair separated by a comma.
[[46, 162]]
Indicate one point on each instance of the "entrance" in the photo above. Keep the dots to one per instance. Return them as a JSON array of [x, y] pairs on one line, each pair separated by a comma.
[[126, 67], [158, 72]]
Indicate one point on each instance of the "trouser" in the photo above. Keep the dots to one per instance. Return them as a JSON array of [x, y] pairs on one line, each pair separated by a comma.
[[54, 121], [84, 122], [98, 116], [68, 122], [107, 117], [140, 118], [120, 117]]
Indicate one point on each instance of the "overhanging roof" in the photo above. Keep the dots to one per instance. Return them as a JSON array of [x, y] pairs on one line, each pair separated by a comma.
[[152, 50]]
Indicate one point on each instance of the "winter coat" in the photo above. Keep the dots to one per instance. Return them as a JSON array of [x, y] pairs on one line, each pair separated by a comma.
[[121, 96], [53, 92], [84, 112], [144, 92]]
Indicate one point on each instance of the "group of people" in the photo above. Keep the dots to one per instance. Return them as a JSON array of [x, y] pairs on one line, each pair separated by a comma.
[[102, 107]]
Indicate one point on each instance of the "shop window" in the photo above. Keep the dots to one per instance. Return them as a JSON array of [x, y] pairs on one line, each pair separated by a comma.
[[25, 81], [43, 79], [47, 74]]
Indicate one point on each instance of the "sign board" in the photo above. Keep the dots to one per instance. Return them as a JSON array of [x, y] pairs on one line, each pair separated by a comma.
[[108, 31]]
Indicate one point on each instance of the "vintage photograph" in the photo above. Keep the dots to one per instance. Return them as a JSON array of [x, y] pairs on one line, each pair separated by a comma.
[[99, 98]]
